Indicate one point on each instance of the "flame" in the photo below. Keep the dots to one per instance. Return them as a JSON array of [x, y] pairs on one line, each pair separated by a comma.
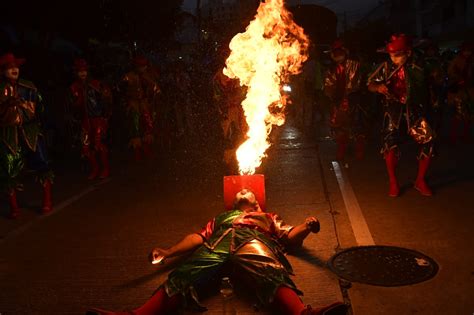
[[272, 48]]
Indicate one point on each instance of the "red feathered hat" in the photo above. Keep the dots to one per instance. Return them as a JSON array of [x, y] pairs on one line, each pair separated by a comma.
[[9, 60], [140, 61], [80, 65], [399, 43]]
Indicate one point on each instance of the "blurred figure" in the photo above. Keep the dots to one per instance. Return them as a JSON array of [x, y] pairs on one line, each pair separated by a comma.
[[228, 96], [90, 101], [435, 75], [21, 138], [184, 94], [141, 90], [342, 84], [403, 85], [461, 93]]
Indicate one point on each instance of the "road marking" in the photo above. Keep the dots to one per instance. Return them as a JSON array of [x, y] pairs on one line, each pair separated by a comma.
[[56, 209], [358, 223]]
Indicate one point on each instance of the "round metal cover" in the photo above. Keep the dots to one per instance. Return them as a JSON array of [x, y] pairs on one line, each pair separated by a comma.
[[383, 265]]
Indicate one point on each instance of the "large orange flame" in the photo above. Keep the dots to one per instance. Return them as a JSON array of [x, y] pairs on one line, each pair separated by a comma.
[[272, 48]]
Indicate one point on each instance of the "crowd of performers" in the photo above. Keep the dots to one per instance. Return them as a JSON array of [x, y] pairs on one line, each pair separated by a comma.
[[89, 101], [417, 92]]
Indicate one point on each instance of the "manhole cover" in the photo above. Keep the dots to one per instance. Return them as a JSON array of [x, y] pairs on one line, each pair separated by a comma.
[[383, 265]]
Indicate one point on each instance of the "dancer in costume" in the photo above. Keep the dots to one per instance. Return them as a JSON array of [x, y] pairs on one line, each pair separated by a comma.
[[251, 242], [91, 101], [405, 96], [141, 90], [21, 139], [349, 117]]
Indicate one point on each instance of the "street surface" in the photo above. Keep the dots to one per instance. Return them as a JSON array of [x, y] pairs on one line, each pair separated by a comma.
[[92, 251]]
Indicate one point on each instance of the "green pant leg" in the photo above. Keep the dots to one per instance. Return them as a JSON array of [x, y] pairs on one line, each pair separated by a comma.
[[11, 165], [199, 268]]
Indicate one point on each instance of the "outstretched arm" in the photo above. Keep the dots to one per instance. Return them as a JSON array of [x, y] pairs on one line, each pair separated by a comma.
[[300, 232], [187, 244]]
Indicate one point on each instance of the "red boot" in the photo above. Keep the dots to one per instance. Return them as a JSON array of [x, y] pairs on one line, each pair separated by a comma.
[[14, 210], [360, 148], [147, 150], [159, 304], [137, 154], [341, 147], [391, 161], [47, 200], [104, 160], [94, 166], [420, 183]]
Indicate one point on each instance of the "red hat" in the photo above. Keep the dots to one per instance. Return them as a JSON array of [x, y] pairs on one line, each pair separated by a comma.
[[80, 65], [9, 60], [399, 43], [338, 44], [140, 61]]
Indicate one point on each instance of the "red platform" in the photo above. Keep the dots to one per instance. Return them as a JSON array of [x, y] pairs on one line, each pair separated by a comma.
[[234, 184]]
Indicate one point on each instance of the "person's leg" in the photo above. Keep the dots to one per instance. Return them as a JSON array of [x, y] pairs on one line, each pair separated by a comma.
[[38, 161], [424, 161], [390, 144], [391, 162], [98, 134], [199, 269], [287, 301], [159, 304], [11, 165], [147, 122]]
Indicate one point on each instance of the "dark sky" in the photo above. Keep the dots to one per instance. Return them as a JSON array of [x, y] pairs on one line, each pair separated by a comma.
[[354, 9]]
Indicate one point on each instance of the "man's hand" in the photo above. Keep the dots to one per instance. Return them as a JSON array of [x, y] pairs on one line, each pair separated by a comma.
[[158, 255], [382, 89], [312, 224]]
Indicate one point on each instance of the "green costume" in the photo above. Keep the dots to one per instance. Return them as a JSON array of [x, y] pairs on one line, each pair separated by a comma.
[[251, 241], [20, 133]]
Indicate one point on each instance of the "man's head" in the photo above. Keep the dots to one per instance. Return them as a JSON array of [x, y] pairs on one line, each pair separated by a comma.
[[338, 51], [140, 63], [399, 49], [10, 66], [245, 200], [81, 68]]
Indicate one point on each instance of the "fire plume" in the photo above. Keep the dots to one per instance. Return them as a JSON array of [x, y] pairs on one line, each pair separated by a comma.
[[272, 48]]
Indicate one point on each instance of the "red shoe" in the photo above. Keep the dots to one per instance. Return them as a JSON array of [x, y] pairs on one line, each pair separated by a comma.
[[394, 189], [47, 200], [423, 188], [337, 308], [420, 183], [14, 210], [94, 166], [147, 150], [137, 154]]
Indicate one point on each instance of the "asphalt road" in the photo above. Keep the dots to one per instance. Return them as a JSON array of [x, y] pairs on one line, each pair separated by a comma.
[[92, 251]]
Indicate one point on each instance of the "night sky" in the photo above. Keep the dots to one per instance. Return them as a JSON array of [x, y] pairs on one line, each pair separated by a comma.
[[355, 10]]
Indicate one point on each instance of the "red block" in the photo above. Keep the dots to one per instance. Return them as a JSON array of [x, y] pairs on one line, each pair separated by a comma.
[[234, 184]]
